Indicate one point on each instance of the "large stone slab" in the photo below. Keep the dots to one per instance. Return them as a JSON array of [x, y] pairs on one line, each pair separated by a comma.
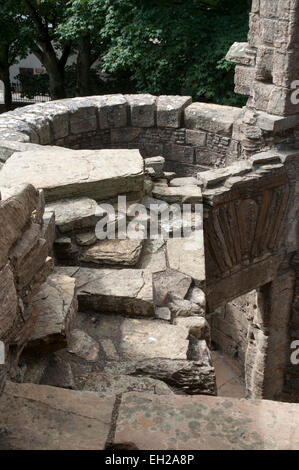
[[212, 118], [74, 214], [142, 109], [99, 174], [178, 195], [56, 305], [170, 110], [187, 256], [125, 291], [7, 148], [113, 383], [16, 207], [39, 417], [153, 262], [114, 252], [206, 423], [170, 282], [149, 339]]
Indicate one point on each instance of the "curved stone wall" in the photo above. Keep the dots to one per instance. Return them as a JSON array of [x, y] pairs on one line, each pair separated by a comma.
[[190, 136]]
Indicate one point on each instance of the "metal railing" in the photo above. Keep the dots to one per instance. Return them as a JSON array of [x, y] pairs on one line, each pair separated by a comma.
[[19, 96]]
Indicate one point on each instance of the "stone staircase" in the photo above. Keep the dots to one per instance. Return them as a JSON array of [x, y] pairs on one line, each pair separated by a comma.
[[115, 315]]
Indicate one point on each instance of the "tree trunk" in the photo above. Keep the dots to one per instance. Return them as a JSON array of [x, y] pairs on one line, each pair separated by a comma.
[[83, 86], [56, 81]]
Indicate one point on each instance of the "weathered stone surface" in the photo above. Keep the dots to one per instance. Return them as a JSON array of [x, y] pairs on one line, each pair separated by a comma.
[[112, 111], [38, 213], [184, 377], [84, 119], [7, 148], [206, 423], [22, 249], [58, 419], [187, 181], [142, 109], [126, 291], [118, 252], [58, 373], [157, 164], [189, 377], [211, 118], [8, 302], [48, 232], [16, 207], [170, 282], [86, 238], [197, 138], [108, 383], [238, 54], [163, 313], [81, 344], [98, 174], [269, 157], [187, 256], [153, 262], [183, 307], [31, 288], [148, 339], [56, 304], [155, 205], [270, 122], [213, 177], [197, 296], [32, 264], [62, 244], [169, 175], [178, 195], [170, 110], [74, 214]]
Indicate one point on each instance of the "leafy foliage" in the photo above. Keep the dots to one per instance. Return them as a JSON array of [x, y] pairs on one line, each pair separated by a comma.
[[154, 46], [176, 47]]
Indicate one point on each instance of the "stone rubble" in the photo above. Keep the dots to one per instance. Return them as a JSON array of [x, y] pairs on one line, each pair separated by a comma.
[[141, 315]]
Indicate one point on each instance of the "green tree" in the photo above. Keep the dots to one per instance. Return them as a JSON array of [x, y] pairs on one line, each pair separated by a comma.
[[12, 44], [42, 19], [176, 47], [83, 24]]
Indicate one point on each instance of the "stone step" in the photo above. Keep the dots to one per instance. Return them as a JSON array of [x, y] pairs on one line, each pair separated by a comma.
[[39, 417], [176, 355], [56, 306], [124, 291], [206, 423], [99, 174]]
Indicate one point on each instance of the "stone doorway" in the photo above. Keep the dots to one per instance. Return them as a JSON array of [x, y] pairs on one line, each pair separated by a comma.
[[231, 330], [250, 337]]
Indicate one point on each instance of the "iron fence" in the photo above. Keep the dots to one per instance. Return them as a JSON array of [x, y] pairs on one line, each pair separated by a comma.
[[18, 95]]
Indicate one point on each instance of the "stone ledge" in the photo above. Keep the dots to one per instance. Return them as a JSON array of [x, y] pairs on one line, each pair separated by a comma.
[[38, 417], [211, 118], [125, 291], [206, 423], [99, 174]]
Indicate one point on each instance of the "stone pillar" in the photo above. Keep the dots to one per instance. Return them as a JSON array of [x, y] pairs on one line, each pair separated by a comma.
[[281, 294], [270, 60], [268, 354], [267, 71]]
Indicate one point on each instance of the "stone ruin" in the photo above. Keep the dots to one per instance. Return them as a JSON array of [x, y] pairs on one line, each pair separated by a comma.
[[136, 319]]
